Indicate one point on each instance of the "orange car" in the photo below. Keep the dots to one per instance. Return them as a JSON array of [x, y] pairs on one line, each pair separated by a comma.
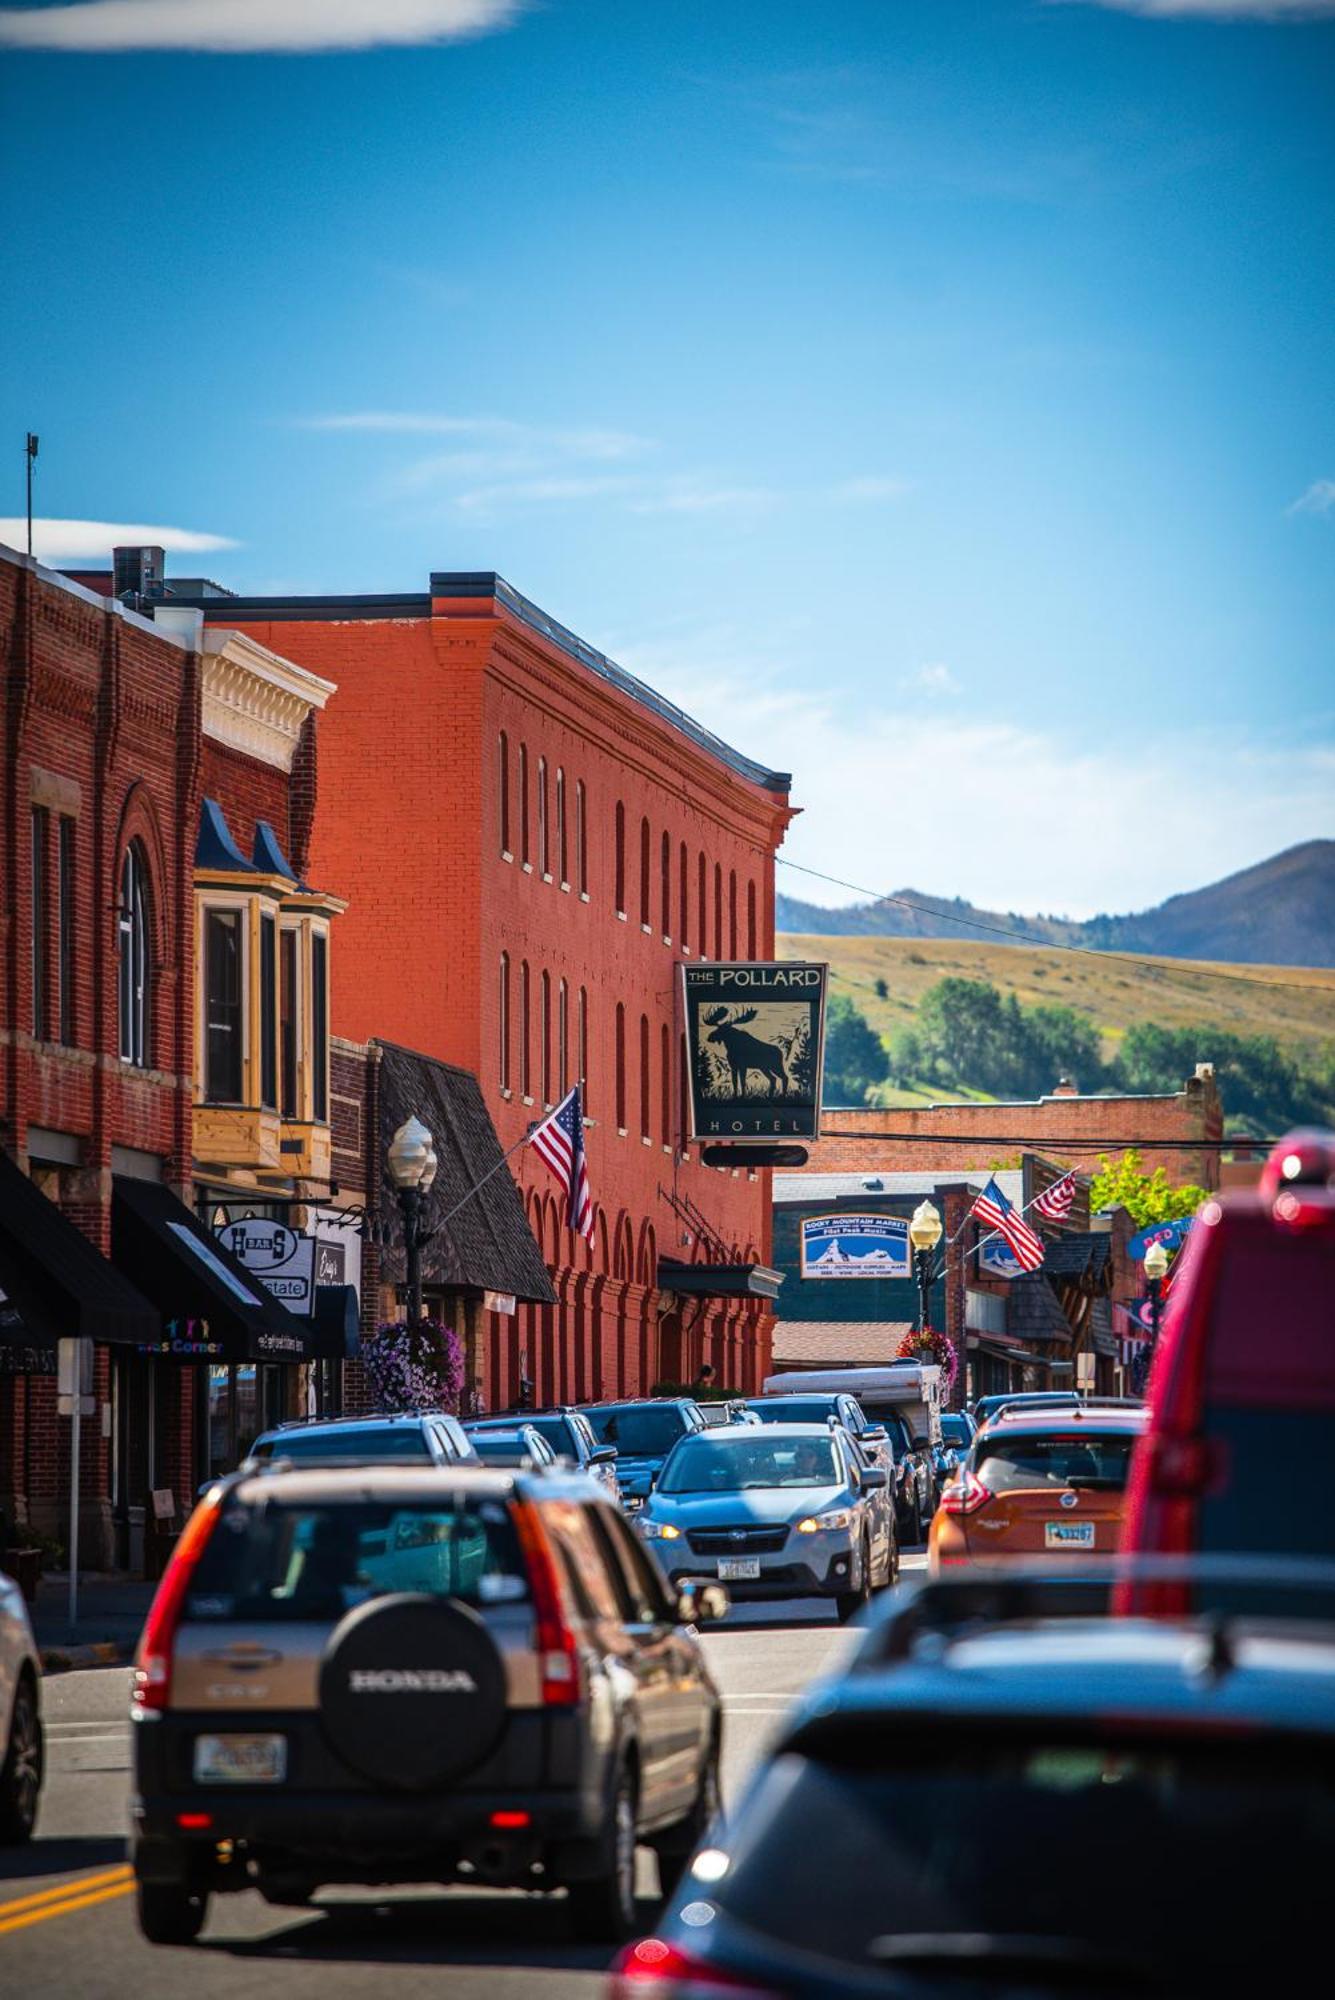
[[1041, 1481]]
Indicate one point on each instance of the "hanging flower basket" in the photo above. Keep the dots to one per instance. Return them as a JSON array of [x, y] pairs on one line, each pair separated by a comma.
[[414, 1368], [935, 1348]]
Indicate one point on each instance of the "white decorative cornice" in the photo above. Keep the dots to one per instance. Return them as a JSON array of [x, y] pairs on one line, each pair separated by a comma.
[[254, 700]]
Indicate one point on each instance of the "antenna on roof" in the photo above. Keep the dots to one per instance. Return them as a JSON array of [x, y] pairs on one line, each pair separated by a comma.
[[30, 459]]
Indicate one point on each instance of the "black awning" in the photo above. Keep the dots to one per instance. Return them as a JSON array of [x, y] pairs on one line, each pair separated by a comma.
[[60, 1284], [718, 1281], [336, 1325], [213, 1308]]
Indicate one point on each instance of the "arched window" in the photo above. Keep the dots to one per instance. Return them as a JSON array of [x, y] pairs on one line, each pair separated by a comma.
[[505, 1021], [525, 1031], [702, 909], [132, 940], [645, 1087], [503, 792], [544, 851], [563, 1037], [621, 1067], [684, 898], [545, 1029], [718, 909], [621, 859], [525, 850], [582, 1049], [665, 1086], [581, 838], [750, 919], [732, 913], [561, 843], [644, 875], [665, 887]]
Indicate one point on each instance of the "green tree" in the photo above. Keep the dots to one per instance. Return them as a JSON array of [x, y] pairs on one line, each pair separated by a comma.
[[854, 1054], [1147, 1198]]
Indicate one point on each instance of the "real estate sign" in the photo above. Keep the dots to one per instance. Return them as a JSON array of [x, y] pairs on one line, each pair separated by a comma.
[[755, 1038], [855, 1246]]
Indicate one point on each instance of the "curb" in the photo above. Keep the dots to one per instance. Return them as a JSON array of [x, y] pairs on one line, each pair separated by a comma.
[[68, 1659]]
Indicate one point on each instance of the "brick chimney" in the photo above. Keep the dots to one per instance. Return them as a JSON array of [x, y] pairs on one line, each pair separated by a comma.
[[1065, 1086]]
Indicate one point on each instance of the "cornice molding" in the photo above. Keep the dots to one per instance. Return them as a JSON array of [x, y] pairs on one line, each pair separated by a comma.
[[255, 701]]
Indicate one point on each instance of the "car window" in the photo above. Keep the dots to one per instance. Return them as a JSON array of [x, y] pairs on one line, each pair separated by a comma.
[[357, 1443], [1184, 1810], [1083, 1458], [588, 1565], [284, 1562], [807, 1410], [649, 1428], [852, 1459], [643, 1599], [955, 1428], [457, 1436], [558, 1432], [760, 1463]]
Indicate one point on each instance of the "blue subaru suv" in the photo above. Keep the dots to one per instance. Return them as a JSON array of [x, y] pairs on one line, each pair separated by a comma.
[[642, 1433]]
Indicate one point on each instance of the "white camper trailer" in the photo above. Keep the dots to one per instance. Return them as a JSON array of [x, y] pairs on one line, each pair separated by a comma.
[[914, 1388]]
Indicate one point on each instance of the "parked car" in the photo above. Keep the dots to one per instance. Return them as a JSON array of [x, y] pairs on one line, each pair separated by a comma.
[[775, 1511], [820, 1407], [903, 1399], [986, 1407], [1039, 1753], [21, 1767], [432, 1436], [570, 1435], [1047, 1481], [519, 1445], [402, 1674], [643, 1432], [1242, 1389]]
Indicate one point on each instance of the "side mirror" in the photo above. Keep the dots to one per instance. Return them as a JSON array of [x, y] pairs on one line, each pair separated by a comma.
[[604, 1455], [872, 1476], [874, 1434]]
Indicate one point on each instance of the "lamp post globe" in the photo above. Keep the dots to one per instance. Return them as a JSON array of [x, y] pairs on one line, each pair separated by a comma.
[[411, 1157]]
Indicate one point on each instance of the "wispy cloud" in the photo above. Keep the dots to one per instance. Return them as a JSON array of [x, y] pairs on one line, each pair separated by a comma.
[[78, 540], [580, 442], [487, 499], [690, 495], [934, 677], [1318, 499], [871, 778], [871, 486], [249, 27], [1214, 10]]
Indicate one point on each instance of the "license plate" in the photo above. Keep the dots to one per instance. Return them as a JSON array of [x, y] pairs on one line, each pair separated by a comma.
[[737, 1569], [1068, 1534], [240, 1760]]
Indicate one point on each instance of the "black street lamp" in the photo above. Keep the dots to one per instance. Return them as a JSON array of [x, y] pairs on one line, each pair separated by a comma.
[[1156, 1270], [925, 1232], [412, 1166]]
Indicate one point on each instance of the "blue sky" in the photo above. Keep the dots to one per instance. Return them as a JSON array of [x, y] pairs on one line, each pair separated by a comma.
[[937, 397]]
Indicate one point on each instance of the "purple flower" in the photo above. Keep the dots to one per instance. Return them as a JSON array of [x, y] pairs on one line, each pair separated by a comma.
[[414, 1368]]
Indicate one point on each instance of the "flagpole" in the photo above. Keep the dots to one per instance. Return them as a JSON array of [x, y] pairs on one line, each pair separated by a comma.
[[526, 1140]]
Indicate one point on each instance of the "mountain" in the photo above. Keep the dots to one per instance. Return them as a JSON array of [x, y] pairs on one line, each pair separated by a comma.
[[1280, 912]]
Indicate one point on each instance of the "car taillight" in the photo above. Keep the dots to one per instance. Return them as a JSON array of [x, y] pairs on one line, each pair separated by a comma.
[[153, 1661], [557, 1647], [656, 1970], [966, 1495]]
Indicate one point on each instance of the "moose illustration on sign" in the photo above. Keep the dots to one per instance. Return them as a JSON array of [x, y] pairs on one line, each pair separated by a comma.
[[746, 1052]]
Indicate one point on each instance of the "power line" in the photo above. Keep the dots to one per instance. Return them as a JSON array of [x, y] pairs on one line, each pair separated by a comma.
[[1048, 1145], [1139, 959]]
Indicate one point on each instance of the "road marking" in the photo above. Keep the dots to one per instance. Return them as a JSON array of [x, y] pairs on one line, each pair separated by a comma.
[[77, 1895]]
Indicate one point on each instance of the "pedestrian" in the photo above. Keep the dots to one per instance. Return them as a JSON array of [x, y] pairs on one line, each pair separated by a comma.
[[705, 1379]]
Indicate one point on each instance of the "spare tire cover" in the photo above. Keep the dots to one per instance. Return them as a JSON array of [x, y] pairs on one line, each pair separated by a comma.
[[412, 1691]]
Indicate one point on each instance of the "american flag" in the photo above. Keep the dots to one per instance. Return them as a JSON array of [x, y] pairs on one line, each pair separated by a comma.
[[994, 1211], [559, 1140], [1054, 1204]]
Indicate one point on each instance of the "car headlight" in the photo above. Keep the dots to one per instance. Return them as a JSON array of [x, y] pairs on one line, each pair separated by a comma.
[[837, 1517], [659, 1531]]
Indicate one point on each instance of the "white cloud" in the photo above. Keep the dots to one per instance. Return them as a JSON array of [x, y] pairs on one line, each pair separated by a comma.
[[1318, 499], [591, 442], [933, 678], [690, 495], [1214, 10], [486, 499], [903, 794], [72, 541], [239, 27], [871, 486]]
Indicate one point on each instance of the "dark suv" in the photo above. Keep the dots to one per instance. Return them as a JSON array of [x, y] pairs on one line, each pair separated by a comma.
[[395, 1674], [643, 1432], [431, 1436]]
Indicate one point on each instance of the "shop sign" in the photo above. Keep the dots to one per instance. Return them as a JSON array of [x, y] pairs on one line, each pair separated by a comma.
[[855, 1246], [755, 1041], [997, 1260], [280, 1258]]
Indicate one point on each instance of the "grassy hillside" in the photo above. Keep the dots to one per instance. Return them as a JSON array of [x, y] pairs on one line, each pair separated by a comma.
[[1295, 1005]]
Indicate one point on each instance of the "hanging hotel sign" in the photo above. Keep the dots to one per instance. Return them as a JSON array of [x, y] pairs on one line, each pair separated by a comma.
[[855, 1246], [281, 1259], [755, 1039]]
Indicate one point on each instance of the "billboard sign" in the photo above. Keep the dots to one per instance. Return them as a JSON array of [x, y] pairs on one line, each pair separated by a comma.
[[755, 1036], [855, 1246]]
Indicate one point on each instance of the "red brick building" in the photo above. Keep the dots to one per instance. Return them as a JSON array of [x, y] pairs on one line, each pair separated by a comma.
[[530, 842], [1179, 1131]]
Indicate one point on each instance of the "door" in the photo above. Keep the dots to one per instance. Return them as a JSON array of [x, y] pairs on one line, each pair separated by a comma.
[[687, 1698]]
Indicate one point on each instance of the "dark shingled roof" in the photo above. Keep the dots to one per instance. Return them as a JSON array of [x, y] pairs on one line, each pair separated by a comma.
[[1082, 1255], [488, 1245], [1032, 1310]]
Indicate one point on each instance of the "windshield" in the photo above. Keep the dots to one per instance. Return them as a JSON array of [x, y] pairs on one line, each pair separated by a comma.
[[558, 1432], [277, 1562], [647, 1429], [813, 1412], [1027, 1841], [730, 1466], [399, 1441], [500, 1447], [1086, 1458], [955, 1428]]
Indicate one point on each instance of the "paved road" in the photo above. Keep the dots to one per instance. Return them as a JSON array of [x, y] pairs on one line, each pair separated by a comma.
[[66, 1923]]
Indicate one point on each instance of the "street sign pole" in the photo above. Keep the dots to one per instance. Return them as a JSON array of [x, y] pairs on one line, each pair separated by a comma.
[[74, 1400], [75, 1422]]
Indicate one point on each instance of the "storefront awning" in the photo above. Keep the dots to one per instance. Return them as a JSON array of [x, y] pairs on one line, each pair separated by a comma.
[[59, 1284], [718, 1281], [213, 1308]]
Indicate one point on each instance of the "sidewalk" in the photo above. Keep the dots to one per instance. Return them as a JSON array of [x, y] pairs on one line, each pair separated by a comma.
[[112, 1610]]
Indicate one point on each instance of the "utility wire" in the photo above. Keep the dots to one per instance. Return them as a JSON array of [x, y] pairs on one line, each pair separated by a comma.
[[1139, 959], [1043, 1144]]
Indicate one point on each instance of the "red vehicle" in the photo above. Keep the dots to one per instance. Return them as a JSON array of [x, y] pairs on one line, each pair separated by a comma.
[[1241, 1438]]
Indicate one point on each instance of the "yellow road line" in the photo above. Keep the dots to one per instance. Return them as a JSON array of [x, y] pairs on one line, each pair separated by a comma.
[[74, 1895]]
